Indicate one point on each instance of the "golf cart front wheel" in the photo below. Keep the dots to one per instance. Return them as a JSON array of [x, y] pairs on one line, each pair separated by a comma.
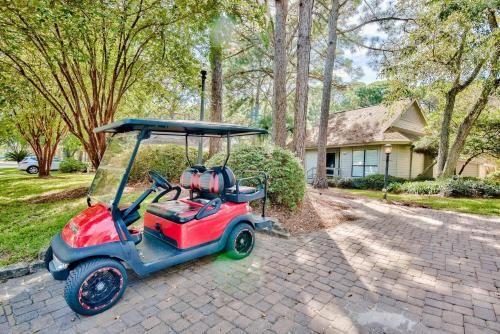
[[47, 257], [32, 170], [241, 241], [95, 286]]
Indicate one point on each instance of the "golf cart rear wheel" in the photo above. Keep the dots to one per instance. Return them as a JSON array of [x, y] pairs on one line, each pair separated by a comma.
[[241, 241], [95, 286], [32, 170]]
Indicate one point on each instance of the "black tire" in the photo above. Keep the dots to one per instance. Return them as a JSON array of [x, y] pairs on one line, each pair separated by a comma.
[[95, 285], [32, 170], [48, 257], [241, 241]]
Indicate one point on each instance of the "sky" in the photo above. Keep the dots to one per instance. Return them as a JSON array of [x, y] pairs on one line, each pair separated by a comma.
[[360, 56], [361, 59]]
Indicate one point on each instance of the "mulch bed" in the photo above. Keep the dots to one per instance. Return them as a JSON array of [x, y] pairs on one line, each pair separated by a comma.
[[59, 196], [316, 212]]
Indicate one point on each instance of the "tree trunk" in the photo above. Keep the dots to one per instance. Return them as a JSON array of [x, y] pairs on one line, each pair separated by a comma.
[[216, 92], [279, 133], [444, 136], [321, 180], [302, 81], [464, 129]]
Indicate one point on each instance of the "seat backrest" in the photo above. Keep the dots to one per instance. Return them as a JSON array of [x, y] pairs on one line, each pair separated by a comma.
[[190, 178], [229, 177], [212, 181]]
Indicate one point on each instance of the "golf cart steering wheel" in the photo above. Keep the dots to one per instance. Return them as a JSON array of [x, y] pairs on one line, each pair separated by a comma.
[[159, 180]]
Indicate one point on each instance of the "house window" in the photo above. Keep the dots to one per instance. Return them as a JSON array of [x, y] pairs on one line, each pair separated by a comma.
[[364, 162]]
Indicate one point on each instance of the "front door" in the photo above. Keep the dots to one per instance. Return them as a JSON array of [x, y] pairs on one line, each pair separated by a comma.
[[330, 164]]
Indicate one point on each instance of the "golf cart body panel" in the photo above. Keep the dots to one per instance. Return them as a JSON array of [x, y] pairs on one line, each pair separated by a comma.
[[92, 226], [194, 232], [215, 217]]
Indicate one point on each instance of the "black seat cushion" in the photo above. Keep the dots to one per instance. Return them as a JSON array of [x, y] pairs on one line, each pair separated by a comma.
[[241, 189], [176, 211]]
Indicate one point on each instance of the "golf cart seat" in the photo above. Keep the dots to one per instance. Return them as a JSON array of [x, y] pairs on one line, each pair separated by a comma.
[[183, 211], [176, 211], [238, 193]]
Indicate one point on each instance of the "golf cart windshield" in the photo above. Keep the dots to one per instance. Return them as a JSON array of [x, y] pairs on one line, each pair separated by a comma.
[[113, 165]]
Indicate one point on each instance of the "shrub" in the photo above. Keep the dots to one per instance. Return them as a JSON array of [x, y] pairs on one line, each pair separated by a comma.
[[70, 165], [423, 178], [341, 182], [286, 175], [16, 155], [495, 176], [470, 188], [449, 188], [167, 159], [374, 182]]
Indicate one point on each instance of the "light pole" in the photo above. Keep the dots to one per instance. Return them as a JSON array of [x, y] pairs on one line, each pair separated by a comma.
[[202, 115], [387, 150]]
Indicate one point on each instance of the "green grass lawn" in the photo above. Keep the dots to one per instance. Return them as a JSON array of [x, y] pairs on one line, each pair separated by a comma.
[[482, 206], [27, 227]]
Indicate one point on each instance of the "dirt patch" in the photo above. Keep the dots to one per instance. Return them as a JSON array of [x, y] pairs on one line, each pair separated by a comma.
[[316, 212], [59, 196], [409, 204]]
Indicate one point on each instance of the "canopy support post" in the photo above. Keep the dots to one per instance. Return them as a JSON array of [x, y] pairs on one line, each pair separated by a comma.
[[228, 149]]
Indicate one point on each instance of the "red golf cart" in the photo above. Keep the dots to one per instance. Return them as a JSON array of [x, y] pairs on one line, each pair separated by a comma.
[[94, 248]]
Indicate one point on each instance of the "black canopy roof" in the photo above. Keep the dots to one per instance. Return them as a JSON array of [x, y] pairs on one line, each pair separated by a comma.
[[175, 127]]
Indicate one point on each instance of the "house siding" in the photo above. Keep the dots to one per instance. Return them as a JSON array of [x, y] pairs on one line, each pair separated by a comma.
[[418, 162], [411, 120], [399, 160]]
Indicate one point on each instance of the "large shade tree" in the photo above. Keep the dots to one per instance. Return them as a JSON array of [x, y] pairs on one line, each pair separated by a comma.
[[30, 117], [450, 46], [84, 57]]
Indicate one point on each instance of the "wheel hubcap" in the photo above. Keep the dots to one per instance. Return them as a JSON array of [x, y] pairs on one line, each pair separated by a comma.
[[243, 242], [100, 288]]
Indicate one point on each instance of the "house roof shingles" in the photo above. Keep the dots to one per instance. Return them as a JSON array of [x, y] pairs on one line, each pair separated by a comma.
[[363, 126]]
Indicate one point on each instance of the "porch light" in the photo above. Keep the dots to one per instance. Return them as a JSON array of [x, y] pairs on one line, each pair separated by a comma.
[[388, 148]]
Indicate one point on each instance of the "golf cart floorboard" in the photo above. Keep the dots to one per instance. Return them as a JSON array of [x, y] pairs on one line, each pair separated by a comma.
[[151, 249]]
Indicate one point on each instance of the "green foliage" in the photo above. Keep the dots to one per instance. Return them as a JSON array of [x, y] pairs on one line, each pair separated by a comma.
[[70, 144], [374, 182], [71, 165], [167, 159], [17, 155], [371, 94], [462, 187], [495, 176], [286, 175]]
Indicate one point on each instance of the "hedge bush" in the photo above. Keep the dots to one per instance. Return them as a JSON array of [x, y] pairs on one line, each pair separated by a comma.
[[495, 176], [71, 165], [374, 182], [286, 175], [167, 159], [461, 187]]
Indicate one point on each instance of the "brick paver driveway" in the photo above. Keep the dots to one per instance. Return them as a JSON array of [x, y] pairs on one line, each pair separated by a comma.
[[396, 270]]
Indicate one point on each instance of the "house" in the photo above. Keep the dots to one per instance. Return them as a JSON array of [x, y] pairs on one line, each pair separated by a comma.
[[356, 139]]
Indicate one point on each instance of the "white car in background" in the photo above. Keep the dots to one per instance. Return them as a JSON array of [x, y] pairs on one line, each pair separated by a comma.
[[30, 164]]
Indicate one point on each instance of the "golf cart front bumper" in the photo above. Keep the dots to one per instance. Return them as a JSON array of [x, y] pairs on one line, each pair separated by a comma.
[[58, 269]]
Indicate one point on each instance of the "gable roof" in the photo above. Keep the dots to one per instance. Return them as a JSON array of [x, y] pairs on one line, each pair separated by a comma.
[[366, 125]]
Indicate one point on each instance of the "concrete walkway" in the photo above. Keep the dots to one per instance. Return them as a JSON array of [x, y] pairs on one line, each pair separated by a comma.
[[397, 270]]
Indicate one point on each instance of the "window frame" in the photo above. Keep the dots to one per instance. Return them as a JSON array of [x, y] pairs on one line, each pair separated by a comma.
[[364, 165]]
